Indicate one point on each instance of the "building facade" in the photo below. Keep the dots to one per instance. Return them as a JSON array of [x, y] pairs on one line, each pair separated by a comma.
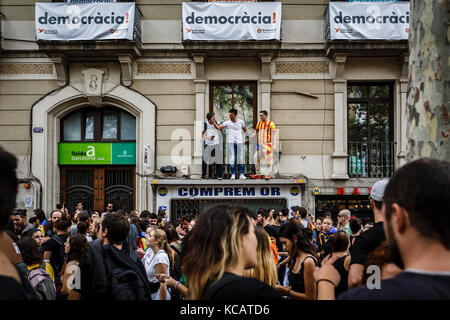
[[139, 104]]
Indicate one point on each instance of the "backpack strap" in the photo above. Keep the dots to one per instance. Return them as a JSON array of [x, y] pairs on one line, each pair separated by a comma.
[[57, 239]]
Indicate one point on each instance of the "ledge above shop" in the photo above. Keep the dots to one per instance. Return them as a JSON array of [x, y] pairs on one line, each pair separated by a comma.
[[229, 182], [366, 48], [241, 48]]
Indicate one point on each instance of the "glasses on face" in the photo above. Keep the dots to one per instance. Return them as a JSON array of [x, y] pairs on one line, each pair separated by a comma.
[[340, 215]]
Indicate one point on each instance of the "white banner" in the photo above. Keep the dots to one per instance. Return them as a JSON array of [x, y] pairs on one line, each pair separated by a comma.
[[231, 21], [89, 1], [90, 21], [356, 21]]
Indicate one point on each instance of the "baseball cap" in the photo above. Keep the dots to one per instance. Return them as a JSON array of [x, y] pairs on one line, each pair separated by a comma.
[[377, 192]]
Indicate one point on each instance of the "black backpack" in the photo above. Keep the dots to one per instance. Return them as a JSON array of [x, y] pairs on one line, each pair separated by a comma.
[[60, 252], [123, 278]]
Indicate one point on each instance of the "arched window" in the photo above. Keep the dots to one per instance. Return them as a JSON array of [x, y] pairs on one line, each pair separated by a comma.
[[93, 124]]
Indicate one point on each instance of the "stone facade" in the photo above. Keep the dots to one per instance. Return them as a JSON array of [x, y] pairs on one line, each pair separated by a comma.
[[166, 85]]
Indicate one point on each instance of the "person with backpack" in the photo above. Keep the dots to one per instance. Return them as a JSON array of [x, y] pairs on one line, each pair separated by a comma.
[[36, 235], [107, 270], [212, 150], [39, 279], [74, 248], [54, 248]]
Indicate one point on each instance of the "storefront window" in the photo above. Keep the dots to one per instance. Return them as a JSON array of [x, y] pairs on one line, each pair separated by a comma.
[[109, 125], [127, 126], [89, 132], [93, 124], [72, 127], [359, 206]]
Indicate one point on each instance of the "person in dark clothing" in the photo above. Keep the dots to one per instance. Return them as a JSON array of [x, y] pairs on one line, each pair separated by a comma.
[[103, 262], [339, 246], [215, 271], [355, 227], [13, 284], [415, 208], [369, 240], [131, 242], [54, 247], [303, 261]]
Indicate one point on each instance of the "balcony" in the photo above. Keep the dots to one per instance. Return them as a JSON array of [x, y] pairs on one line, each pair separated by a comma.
[[370, 159], [249, 168]]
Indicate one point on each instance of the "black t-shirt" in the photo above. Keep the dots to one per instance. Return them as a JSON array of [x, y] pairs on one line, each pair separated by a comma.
[[233, 287], [95, 278], [367, 242], [10, 289], [57, 258], [406, 286]]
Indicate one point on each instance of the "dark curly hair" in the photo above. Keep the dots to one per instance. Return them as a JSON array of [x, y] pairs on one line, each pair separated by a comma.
[[31, 253]]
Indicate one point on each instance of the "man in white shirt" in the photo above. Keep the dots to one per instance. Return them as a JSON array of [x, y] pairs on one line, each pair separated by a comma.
[[235, 127], [212, 151]]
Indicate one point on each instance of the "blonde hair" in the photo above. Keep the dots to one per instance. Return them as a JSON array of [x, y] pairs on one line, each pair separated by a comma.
[[214, 245], [161, 237], [265, 270]]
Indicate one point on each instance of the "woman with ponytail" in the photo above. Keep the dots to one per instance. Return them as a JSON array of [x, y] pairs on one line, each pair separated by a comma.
[[302, 264], [157, 261], [221, 246], [265, 269]]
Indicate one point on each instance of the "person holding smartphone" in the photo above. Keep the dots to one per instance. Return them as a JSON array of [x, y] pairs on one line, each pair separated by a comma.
[[212, 151]]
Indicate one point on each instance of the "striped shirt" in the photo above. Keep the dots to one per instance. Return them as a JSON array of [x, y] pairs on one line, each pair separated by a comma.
[[264, 130]]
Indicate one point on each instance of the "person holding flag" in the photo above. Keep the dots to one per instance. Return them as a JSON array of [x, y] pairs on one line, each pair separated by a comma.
[[263, 158]]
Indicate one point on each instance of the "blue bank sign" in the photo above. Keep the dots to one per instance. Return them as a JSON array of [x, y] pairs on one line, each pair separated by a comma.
[[235, 192], [165, 193]]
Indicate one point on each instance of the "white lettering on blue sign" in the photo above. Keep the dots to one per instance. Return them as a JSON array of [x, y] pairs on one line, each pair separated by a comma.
[[228, 191]]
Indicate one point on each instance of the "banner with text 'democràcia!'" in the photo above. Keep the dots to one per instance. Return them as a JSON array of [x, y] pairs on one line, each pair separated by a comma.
[[84, 21], [231, 21], [372, 21]]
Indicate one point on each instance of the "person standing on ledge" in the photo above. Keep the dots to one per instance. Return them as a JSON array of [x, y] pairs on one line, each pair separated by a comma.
[[263, 158], [235, 127]]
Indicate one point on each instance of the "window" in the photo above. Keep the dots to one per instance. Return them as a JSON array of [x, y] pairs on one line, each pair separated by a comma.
[[370, 129], [106, 124], [242, 97], [238, 95]]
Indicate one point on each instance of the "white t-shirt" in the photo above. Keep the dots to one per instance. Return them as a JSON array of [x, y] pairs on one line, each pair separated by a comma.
[[150, 260], [211, 131], [234, 130]]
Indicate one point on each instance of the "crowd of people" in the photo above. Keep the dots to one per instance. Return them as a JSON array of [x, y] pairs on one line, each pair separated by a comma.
[[231, 253]]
